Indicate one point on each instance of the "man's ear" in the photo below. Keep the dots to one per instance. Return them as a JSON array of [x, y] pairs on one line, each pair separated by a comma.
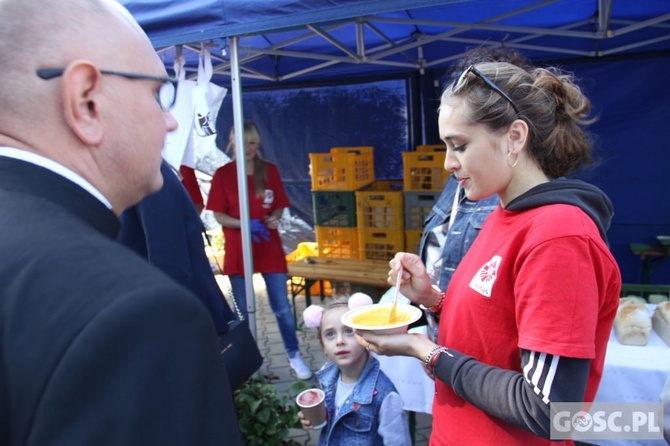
[[518, 135], [80, 92]]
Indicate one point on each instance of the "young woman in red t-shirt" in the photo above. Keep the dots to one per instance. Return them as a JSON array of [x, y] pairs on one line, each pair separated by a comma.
[[267, 200], [527, 315]]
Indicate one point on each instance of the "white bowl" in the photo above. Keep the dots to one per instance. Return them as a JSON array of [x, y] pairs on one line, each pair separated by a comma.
[[378, 314]]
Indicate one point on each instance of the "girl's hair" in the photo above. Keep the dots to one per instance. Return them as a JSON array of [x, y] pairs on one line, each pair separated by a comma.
[[251, 134], [331, 303], [313, 315], [548, 100]]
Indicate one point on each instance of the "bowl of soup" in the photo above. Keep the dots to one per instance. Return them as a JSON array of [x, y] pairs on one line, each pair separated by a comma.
[[376, 318]]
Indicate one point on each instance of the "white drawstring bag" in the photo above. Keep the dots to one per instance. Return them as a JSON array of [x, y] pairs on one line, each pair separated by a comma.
[[207, 99], [178, 147]]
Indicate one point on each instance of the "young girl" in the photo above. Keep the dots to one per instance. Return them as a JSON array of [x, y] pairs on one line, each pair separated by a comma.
[[362, 403]]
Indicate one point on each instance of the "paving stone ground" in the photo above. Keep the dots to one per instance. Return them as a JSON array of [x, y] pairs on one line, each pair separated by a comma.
[[276, 364]]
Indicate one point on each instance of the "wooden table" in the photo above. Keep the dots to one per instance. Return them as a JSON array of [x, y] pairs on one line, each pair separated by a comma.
[[318, 269]]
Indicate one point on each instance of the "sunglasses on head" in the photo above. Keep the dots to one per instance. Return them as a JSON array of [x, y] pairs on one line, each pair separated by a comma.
[[460, 82]]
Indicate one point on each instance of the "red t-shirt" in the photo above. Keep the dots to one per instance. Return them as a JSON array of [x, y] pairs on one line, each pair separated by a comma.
[[269, 255], [190, 182], [542, 280]]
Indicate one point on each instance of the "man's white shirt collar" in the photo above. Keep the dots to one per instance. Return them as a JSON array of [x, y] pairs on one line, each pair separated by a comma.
[[55, 167]]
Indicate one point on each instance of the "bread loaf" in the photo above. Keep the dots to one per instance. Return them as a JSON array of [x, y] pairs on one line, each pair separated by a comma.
[[632, 324], [657, 298], [661, 321]]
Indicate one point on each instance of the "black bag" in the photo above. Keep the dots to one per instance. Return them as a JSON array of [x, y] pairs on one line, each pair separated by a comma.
[[239, 352]]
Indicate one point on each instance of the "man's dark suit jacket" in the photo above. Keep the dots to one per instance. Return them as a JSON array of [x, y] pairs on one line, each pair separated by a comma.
[[97, 346], [166, 229]]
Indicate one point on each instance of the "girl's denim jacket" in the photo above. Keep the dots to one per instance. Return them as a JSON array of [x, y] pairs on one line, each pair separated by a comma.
[[357, 422], [464, 230]]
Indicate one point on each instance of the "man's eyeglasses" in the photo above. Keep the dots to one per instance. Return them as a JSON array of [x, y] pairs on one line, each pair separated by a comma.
[[471, 69], [167, 94]]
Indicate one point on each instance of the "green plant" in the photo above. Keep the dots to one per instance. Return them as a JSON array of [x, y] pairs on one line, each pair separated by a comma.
[[265, 417]]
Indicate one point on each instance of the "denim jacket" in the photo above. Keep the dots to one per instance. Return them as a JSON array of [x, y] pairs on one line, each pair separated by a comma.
[[357, 422], [471, 216]]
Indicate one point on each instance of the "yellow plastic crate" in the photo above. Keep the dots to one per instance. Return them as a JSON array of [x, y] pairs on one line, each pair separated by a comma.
[[381, 206], [337, 242], [413, 240], [380, 244], [424, 171], [343, 169], [357, 149], [432, 148]]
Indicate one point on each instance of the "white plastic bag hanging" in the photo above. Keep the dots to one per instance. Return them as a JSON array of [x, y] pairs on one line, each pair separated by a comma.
[[178, 149], [207, 98]]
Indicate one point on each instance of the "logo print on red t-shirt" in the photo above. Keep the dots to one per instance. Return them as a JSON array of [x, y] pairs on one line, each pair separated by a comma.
[[484, 279], [268, 199]]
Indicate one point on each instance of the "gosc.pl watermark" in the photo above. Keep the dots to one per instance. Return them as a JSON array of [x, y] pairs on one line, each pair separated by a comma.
[[606, 421]]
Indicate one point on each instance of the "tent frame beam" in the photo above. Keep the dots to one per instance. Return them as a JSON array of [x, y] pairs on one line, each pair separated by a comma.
[[372, 46]]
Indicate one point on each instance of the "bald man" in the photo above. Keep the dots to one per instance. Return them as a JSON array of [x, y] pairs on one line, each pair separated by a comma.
[[96, 346]]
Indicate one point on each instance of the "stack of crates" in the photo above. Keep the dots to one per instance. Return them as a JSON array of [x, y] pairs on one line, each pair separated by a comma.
[[424, 177], [379, 212], [336, 176]]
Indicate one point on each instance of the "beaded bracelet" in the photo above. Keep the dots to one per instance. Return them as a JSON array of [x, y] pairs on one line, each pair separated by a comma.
[[438, 306], [432, 353], [431, 359]]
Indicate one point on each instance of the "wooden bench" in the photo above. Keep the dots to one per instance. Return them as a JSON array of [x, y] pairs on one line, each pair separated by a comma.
[[643, 290], [651, 255], [367, 272]]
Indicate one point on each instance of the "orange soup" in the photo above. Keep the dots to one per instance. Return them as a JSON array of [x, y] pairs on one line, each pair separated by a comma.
[[379, 317]]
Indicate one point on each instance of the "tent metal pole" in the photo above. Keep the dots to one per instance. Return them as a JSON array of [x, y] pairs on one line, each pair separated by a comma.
[[238, 120]]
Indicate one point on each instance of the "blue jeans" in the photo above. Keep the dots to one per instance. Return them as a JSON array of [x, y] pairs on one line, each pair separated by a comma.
[[278, 296]]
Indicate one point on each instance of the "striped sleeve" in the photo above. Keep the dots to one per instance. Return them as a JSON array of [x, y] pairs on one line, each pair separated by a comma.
[[540, 372], [521, 399]]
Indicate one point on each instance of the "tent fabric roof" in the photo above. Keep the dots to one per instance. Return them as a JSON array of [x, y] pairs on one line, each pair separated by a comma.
[[282, 40]]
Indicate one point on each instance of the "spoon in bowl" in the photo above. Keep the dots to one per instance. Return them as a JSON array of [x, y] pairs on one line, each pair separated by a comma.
[[392, 313]]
